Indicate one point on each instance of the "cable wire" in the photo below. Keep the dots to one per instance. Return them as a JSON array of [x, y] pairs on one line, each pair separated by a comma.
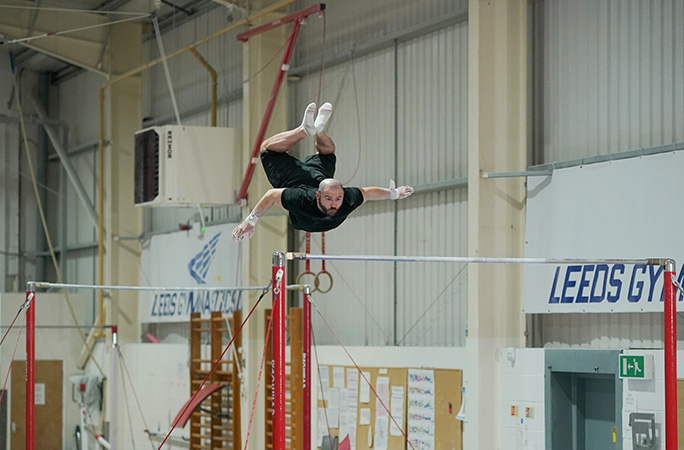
[[74, 30], [14, 352], [21, 308], [41, 211], [256, 391], [320, 382], [135, 395], [128, 409], [361, 372], [218, 361]]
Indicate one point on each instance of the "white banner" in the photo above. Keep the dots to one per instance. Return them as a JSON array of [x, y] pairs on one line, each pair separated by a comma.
[[183, 259], [629, 208]]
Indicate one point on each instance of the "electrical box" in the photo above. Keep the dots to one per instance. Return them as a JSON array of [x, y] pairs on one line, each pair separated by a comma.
[[179, 165]]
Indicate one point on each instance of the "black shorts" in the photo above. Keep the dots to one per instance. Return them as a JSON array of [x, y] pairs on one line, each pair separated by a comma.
[[284, 170]]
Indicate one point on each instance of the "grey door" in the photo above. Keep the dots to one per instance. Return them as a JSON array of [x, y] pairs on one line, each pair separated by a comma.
[[583, 401], [598, 411]]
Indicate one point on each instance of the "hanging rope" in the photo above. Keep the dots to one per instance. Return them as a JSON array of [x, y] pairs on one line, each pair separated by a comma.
[[218, 361]]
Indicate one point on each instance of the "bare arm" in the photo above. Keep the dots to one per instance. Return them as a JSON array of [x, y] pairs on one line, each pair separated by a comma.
[[378, 193], [267, 200]]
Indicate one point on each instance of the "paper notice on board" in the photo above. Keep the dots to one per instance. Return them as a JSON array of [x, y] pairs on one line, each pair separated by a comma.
[[333, 401], [344, 414], [364, 416], [353, 384], [421, 409], [338, 377], [322, 429], [397, 410], [364, 387], [39, 394], [352, 403], [381, 435], [325, 381], [382, 389]]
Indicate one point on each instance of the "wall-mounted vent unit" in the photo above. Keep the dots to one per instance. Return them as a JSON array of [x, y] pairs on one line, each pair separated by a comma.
[[187, 166]]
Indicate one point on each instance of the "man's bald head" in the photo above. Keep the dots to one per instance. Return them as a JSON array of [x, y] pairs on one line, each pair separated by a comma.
[[329, 183], [329, 196]]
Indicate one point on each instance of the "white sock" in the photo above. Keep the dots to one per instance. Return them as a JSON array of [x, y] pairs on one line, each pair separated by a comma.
[[308, 121], [324, 113]]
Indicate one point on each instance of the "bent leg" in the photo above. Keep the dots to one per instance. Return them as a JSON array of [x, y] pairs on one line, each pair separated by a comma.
[[284, 141], [324, 144]]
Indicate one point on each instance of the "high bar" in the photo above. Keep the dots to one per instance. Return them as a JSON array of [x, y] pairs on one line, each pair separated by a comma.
[[47, 285], [474, 260]]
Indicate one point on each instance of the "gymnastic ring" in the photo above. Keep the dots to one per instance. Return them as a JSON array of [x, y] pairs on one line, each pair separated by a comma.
[[317, 281]]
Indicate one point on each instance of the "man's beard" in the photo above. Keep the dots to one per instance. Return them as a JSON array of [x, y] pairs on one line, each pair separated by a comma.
[[328, 211]]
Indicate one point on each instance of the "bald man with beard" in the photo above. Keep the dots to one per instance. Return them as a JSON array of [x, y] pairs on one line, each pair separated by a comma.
[[314, 199]]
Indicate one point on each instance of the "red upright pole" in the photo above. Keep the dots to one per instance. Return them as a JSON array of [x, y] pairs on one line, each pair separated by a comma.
[[284, 67], [670, 357], [306, 359], [30, 364], [278, 351]]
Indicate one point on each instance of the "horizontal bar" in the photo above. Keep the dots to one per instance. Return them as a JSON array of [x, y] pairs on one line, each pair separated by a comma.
[[466, 260], [67, 327], [47, 285]]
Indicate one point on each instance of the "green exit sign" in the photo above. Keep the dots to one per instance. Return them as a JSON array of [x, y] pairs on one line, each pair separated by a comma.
[[636, 366]]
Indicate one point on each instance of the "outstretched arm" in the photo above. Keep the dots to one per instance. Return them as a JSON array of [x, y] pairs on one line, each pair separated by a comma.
[[378, 193], [247, 226]]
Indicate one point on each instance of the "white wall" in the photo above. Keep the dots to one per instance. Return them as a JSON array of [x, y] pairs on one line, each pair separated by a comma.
[[51, 344], [160, 378], [522, 385]]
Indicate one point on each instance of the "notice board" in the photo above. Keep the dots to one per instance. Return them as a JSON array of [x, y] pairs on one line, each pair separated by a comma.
[[421, 402]]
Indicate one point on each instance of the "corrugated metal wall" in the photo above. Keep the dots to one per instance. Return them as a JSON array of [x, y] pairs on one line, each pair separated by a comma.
[[399, 113], [354, 25], [610, 76], [9, 259], [192, 89]]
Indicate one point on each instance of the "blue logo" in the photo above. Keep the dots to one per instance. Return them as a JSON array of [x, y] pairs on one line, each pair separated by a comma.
[[199, 265]]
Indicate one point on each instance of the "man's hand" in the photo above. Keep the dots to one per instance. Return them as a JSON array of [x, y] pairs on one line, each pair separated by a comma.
[[400, 192], [242, 230]]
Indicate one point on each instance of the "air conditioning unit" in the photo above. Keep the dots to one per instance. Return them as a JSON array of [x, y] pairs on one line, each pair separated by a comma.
[[187, 166]]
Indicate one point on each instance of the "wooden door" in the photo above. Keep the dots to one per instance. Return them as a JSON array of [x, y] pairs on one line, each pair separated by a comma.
[[48, 429]]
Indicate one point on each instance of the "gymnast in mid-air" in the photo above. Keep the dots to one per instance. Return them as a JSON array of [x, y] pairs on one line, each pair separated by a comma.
[[314, 199]]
